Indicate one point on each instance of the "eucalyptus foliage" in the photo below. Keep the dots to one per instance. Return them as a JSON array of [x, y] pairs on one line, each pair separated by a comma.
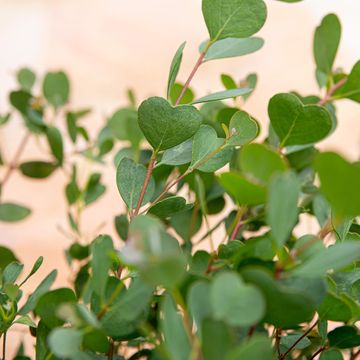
[[263, 288]]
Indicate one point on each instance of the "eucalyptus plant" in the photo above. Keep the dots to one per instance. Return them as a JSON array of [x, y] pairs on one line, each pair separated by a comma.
[[181, 285]]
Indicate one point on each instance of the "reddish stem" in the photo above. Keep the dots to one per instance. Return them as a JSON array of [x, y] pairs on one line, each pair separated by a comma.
[[149, 171], [318, 352], [193, 72], [331, 91], [283, 356]]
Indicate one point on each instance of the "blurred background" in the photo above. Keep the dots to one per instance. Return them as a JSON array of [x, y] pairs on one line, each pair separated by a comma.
[[108, 46]]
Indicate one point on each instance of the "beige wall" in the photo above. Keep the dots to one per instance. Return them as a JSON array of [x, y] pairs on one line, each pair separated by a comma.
[[109, 45]]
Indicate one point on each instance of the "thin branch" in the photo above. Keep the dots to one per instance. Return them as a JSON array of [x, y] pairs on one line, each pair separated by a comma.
[[331, 91], [146, 183], [291, 348], [15, 160], [318, 352]]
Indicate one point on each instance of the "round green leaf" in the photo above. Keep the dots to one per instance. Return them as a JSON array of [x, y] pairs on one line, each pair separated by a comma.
[[340, 187], [244, 191], [261, 162], [49, 302], [235, 302], [165, 126], [233, 18], [130, 178], [65, 343], [298, 124], [243, 129], [56, 88]]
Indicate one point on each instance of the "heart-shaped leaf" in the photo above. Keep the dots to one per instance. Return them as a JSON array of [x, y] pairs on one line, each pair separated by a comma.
[[243, 129], [165, 126], [205, 146], [231, 47], [233, 18], [296, 124], [130, 178], [339, 183], [234, 302]]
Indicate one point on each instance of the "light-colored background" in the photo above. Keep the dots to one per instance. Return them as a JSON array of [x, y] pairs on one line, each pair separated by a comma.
[[107, 46]]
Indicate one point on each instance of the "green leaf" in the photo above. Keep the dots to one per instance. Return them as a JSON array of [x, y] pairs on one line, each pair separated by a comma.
[[250, 81], [207, 154], [154, 252], [233, 18], [101, 262], [123, 318], [122, 226], [199, 303], [351, 89], [244, 191], [326, 43], [344, 337], [217, 339], [6, 257], [178, 155], [285, 306], [333, 258], [234, 302], [165, 126], [25, 320], [130, 178], [258, 347], [175, 92], [56, 143], [298, 124], [335, 309], [42, 288], [20, 100], [261, 162], [123, 125], [56, 88], [295, 338], [94, 189], [168, 207], [340, 187], [26, 79], [282, 210], [228, 82], [176, 340], [331, 354], [65, 343], [243, 129], [48, 304], [231, 47], [37, 169], [222, 95], [174, 68], [10, 212], [12, 272]]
